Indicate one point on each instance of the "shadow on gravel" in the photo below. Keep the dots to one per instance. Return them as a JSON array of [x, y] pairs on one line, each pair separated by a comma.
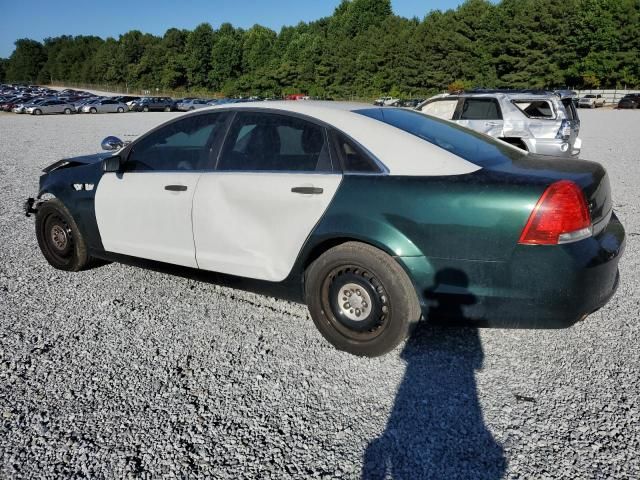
[[436, 429]]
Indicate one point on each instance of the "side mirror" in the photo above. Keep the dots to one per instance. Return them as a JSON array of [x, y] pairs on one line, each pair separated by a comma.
[[112, 143], [112, 164]]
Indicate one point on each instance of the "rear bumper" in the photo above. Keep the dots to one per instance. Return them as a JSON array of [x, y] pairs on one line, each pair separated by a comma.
[[553, 147], [539, 287]]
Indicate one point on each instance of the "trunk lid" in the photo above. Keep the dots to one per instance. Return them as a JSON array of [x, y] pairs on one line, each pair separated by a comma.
[[590, 176]]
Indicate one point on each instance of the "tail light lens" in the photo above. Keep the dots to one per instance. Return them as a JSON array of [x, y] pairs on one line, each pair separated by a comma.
[[564, 132], [560, 216]]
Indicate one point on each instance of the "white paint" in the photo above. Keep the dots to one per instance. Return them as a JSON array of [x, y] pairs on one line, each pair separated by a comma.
[[401, 152], [136, 216], [250, 224]]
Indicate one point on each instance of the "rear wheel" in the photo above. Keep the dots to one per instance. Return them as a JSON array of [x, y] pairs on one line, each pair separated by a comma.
[[37, 111], [360, 299], [59, 238], [167, 109], [67, 111], [145, 109], [120, 110], [93, 110]]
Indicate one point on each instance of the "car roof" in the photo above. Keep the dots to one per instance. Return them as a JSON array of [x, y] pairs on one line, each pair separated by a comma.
[[401, 152]]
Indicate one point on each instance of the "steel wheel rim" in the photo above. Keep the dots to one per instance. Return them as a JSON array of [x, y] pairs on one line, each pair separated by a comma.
[[58, 238], [350, 278]]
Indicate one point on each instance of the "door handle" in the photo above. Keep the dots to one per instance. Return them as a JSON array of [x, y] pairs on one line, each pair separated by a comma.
[[176, 188], [492, 124], [307, 190]]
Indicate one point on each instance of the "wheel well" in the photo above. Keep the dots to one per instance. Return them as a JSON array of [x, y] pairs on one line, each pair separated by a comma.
[[516, 142], [325, 245]]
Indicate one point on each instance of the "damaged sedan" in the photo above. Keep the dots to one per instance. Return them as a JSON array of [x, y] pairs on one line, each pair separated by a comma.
[[374, 217]]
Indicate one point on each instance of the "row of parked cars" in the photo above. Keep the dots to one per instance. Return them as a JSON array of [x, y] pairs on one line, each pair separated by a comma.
[[36, 100]]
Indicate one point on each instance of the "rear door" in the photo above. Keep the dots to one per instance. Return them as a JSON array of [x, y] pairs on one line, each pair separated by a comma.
[[274, 180], [482, 115]]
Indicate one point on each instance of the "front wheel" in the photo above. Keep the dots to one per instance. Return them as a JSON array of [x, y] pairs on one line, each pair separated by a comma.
[[360, 299], [37, 111], [59, 238], [145, 109], [67, 111], [93, 110], [120, 110], [167, 109]]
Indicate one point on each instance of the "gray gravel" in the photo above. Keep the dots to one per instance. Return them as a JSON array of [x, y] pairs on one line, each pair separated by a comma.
[[120, 372]]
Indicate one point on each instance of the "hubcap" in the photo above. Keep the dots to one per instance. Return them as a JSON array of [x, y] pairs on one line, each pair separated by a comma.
[[354, 302], [59, 237]]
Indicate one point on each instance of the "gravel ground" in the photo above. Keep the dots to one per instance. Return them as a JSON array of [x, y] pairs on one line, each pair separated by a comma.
[[121, 372]]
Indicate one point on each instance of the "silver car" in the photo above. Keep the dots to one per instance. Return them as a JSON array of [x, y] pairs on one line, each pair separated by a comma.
[[592, 100], [22, 107], [539, 122], [106, 105], [192, 104], [50, 106]]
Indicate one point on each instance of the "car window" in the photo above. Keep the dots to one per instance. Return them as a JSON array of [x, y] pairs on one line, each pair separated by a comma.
[[535, 108], [441, 108], [468, 144], [181, 145], [354, 159], [480, 109], [570, 109], [274, 142]]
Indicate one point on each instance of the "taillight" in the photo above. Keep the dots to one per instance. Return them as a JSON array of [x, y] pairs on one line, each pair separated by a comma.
[[564, 132], [560, 216]]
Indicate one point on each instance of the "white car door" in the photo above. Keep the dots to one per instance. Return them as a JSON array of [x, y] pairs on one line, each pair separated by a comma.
[[273, 182], [145, 211]]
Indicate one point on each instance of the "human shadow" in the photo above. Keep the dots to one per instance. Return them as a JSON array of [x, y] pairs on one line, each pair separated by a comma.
[[436, 429]]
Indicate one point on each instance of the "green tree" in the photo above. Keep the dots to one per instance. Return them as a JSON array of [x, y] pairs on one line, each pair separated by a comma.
[[26, 61], [198, 55]]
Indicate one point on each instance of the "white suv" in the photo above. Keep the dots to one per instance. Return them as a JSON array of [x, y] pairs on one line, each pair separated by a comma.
[[537, 121]]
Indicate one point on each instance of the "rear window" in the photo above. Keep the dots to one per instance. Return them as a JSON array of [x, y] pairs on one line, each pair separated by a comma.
[[474, 147], [535, 108]]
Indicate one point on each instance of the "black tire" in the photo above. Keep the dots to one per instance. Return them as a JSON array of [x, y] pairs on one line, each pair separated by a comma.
[[59, 238], [67, 111], [37, 111], [391, 306], [145, 109], [120, 110], [93, 110], [167, 109]]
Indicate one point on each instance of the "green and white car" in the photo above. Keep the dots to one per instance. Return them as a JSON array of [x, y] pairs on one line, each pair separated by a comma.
[[373, 217]]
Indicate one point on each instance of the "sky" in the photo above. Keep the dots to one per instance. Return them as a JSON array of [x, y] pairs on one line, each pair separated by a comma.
[[38, 19]]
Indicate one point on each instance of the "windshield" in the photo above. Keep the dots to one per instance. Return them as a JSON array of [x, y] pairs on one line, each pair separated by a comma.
[[468, 144]]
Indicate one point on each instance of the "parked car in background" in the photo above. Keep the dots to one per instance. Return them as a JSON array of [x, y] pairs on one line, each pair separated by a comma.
[[106, 105], [534, 242], [410, 103], [533, 120], [631, 101], [386, 102], [22, 107], [592, 100], [49, 107], [148, 104], [12, 102], [85, 101], [191, 104], [127, 99]]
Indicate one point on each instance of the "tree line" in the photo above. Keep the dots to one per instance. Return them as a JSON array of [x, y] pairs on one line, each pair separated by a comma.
[[362, 50]]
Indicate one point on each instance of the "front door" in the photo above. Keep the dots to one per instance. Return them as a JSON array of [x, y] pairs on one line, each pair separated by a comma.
[[274, 180], [145, 211]]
